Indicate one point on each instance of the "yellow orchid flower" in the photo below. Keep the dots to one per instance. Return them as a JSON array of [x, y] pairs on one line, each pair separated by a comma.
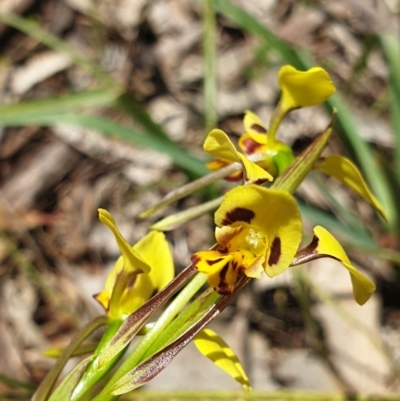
[[277, 155], [141, 271], [304, 88], [299, 89], [220, 146], [259, 229]]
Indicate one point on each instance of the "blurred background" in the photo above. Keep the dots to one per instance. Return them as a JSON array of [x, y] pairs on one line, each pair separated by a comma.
[[107, 104]]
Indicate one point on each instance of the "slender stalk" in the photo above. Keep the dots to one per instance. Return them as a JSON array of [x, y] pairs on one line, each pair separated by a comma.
[[44, 390]]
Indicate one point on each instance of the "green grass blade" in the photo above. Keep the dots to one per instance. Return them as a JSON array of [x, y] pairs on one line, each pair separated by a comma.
[[244, 20], [33, 111], [209, 56], [391, 48], [179, 156], [34, 30], [139, 114]]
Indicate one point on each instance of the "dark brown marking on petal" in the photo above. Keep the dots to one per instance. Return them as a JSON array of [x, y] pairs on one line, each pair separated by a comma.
[[258, 128], [132, 281], [308, 253], [240, 274], [250, 146], [238, 214], [313, 245], [235, 177], [276, 251], [261, 181], [213, 262], [195, 259], [106, 308], [223, 287], [234, 265]]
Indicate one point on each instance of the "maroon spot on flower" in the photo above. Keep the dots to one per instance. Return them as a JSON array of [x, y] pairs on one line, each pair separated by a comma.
[[223, 287], [313, 245], [235, 177], [213, 262], [260, 181], [195, 259], [250, 146], [258, 128], [275, 251], [238, 214], [234, 265]]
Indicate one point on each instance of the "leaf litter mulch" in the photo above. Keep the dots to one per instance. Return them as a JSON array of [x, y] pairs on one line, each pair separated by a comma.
[[54, 251]]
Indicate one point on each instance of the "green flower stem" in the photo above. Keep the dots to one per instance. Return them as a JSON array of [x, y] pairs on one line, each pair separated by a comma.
[[93, 373], [175, 220], [276, 119], [196, 185], [140, 350], [44, 390]]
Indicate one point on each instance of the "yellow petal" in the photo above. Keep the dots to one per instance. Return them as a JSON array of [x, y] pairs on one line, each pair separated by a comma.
[[346, 172], [304, 88], [220, 273], [255, 128], [155, 250], [215, 348], [132, 260], [326, 245], [272, 212], [220, 146]]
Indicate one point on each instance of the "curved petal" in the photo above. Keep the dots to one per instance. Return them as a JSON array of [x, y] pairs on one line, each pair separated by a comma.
[[347, 173], [255, 128], [220, 146], [325, 245], [211, 345], [304, 88], [221, 275], [275, 213], [132, 260], [156, 252]]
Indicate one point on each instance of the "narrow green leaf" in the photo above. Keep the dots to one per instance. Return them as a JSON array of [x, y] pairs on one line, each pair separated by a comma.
[[251, 25], [41, 111], [34, 30], [64, 391], [134, 322]]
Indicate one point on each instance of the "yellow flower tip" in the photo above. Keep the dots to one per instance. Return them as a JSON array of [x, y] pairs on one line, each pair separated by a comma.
[[325, 244], [220, 146], [304, 88]]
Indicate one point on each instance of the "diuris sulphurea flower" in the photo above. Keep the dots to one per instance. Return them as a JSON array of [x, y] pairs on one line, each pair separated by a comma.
[[141, 271], [259, 229]]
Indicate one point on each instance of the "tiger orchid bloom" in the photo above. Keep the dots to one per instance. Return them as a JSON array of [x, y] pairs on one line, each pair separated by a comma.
[[259, 229], [141, 271], [220, 146]]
